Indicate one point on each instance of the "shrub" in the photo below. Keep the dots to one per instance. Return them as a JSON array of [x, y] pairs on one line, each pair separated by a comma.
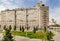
[[10, 27], [7, 36], [34, 30], [20, 28], [4, 27], [23, 29], [49, 35], [14, 27]]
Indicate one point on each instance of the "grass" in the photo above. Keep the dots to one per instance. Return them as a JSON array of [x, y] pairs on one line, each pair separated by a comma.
[[19, 33], [56, 25], [38, 35]]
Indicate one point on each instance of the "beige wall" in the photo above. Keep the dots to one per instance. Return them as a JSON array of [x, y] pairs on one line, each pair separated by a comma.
[[21, 18], [8, 18], [37, 16], [44, 17], [33, 17]]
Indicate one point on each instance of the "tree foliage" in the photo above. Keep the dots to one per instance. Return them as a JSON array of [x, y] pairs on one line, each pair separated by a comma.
[[35, 29], [4, 27], [14, 27], [49, 35], [10, 27], [20, 28], [23, 29], [7, 36], [45, 29]]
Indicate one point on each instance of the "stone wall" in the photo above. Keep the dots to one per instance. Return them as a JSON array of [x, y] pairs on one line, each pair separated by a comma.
[[26, 17]]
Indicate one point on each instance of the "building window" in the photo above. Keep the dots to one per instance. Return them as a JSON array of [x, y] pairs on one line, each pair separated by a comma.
[[10, 20], [44, 19], [43, 5], [44, 11]]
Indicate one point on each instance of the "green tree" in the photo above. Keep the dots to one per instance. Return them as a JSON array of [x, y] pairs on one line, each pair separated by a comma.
[[45, 29], [23, 29], [14, 31], [27, 28], [10, 27], [4, 27], [49, 35], [0, 26], [14, 27], [37, 28], [20, 28], [34, 30], [7, 36]]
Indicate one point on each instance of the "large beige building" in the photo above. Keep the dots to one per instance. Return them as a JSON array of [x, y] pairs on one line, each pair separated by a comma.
[[37, 16]]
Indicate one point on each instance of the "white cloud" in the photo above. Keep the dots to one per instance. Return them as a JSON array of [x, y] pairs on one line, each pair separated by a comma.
[[2, 7], [10, 4], [19, 1], [55, 13], [7, 4], [44, 1]]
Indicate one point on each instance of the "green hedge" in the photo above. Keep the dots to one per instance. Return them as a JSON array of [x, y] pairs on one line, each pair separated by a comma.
[[56, 25]]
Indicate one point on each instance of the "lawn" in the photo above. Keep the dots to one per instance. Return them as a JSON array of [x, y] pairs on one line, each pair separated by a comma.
[[38, 35]]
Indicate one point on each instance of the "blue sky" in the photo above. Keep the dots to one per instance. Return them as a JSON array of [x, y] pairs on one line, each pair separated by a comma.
[[54, 6]]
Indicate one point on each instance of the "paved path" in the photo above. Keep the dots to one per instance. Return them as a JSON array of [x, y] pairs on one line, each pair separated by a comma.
[[1, 36], [19, 38], [57, 35]]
